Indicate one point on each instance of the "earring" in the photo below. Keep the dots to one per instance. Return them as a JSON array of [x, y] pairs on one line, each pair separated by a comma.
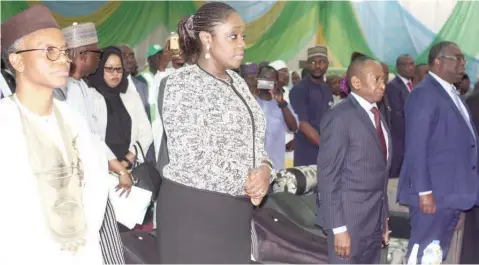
[[207, 55]]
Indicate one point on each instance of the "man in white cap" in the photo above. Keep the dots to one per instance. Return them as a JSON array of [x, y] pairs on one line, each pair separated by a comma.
[[82, 41], [283, 81], [283, 76], [58, 191]]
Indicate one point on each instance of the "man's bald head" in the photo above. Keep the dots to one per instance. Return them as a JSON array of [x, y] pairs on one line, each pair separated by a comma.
[[366, 78]]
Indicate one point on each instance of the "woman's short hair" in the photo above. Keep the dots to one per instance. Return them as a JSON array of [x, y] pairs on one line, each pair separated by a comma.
[[206, 18]]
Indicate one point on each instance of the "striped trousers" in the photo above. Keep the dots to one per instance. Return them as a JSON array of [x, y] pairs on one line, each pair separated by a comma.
[[110, 240]]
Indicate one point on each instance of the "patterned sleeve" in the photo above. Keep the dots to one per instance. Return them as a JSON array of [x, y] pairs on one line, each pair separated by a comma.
[[185, 124]]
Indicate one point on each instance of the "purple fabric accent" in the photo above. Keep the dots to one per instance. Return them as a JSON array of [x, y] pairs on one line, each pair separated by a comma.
[[250, 69], [344, 85]]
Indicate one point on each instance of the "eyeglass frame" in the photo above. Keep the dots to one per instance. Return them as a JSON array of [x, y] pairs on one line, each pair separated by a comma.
[[118, 70], [454, 58], [65, 52]]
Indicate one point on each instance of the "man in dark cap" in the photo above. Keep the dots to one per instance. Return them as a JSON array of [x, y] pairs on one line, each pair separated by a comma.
[[311, 98], [59, 187]]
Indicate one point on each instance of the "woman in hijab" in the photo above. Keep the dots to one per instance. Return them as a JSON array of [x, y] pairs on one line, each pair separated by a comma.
[[120, 111]]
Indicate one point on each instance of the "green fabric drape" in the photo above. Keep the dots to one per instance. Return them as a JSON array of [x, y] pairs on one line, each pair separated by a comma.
[[132, 21], [462, 27], [296, 25], [341, 31]]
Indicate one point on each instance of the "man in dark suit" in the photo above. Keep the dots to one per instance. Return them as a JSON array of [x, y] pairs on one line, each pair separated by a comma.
[[397, 91], [439, 177], [353, 166]]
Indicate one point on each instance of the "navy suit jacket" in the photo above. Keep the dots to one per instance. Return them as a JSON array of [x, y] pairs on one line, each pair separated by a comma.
[[397, 93], [142, 89], [441, 152]]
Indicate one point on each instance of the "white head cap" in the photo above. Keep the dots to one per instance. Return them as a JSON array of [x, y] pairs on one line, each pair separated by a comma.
[[78, 35]]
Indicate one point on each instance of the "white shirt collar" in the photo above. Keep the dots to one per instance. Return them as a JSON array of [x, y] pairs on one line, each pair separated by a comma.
[[364, 103], [447, 86], [404, 80]]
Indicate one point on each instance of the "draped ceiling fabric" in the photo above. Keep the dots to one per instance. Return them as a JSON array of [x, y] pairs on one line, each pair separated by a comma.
[[283, 29]]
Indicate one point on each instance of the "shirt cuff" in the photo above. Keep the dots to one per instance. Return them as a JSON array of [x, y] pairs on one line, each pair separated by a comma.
[[425, 192], [339, 230]]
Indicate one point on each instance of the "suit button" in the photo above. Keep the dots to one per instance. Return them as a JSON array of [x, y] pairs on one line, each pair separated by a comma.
[[473, 146], [474, 167]]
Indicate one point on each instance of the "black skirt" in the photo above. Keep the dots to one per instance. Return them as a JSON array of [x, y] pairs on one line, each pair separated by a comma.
[[198, 226]]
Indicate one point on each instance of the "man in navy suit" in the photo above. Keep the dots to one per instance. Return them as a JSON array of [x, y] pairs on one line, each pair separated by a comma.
[[397, 91], [439, 177]]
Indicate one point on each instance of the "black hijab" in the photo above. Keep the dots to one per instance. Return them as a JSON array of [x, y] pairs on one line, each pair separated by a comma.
[[118, 128]]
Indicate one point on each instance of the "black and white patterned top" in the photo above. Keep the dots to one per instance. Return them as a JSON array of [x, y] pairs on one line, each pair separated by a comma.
[[210, 125]]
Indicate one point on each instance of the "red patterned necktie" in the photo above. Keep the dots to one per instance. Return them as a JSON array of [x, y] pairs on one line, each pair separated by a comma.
[[409, 85], [379, 131]]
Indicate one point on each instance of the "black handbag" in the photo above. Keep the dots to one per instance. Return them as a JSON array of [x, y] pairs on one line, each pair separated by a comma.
[[276, 239], [145, 175], [140, 248]]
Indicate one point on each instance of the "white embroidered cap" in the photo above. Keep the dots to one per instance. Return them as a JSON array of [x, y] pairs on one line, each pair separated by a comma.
[[278, 65], [78, 35]]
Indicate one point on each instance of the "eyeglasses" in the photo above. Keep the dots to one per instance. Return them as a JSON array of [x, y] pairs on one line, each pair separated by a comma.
[[110, 70], [53, 53], [458, 58]]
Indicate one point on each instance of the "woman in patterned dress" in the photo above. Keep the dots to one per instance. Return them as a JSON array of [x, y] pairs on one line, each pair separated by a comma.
[[218, 166]]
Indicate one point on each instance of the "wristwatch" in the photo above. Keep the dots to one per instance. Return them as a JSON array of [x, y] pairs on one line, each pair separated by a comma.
[[283, 104]]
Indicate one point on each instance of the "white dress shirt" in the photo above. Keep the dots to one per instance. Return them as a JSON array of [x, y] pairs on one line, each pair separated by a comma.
[[405, 81], [79, 97], [367, 106]]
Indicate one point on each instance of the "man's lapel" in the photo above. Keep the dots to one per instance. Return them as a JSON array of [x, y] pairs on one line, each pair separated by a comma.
[[364, 118]]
